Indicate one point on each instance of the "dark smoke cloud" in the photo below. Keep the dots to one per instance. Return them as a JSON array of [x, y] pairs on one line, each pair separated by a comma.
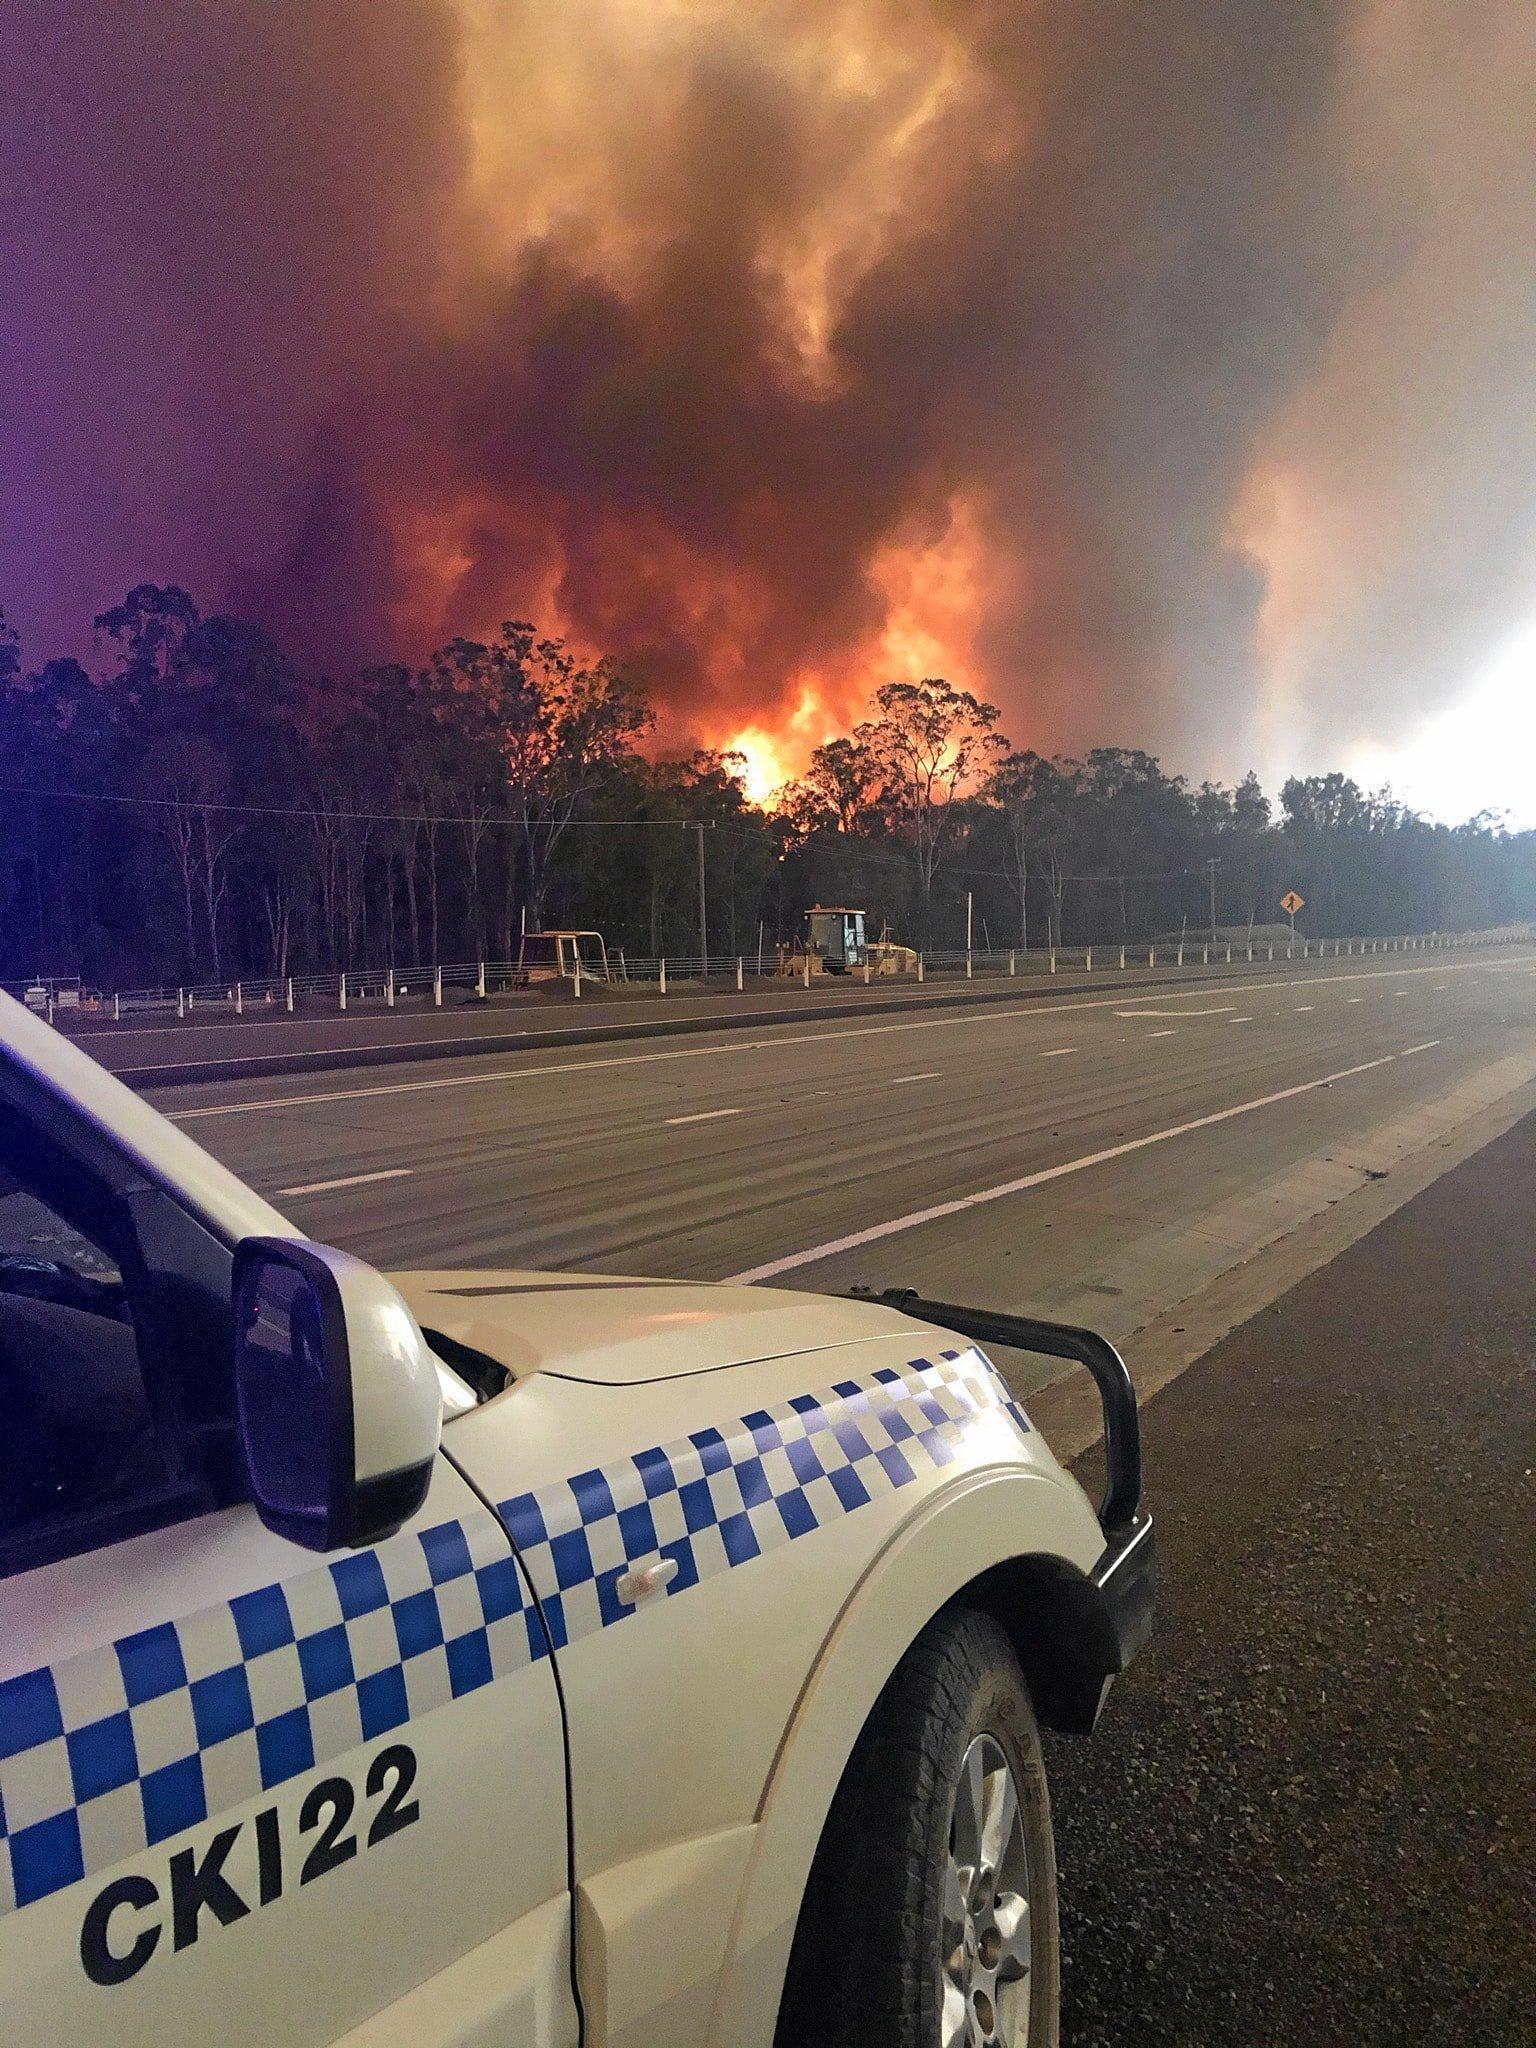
[[1209, 324]]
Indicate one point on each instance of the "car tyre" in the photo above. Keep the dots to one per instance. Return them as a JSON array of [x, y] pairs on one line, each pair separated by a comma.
[[930, 1916]]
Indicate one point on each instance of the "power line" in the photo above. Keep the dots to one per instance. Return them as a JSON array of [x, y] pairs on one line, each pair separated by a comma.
[[740, 828], [311, 811]]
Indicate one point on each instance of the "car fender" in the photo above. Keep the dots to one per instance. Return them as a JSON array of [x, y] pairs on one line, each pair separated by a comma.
[[954, 1540]]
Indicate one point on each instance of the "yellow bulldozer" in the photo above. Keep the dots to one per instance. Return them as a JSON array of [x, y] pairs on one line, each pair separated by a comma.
[[835, 942]]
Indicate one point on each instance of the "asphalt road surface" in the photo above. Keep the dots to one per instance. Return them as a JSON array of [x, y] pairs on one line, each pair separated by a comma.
[[1100, 1157], [1309, 1813], [1307, 1816]]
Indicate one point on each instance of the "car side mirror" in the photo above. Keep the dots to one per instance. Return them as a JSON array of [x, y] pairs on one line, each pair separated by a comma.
[[338, 1397]]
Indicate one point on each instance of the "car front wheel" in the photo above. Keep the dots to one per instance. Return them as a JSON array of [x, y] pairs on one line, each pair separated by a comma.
[[930, 1920]]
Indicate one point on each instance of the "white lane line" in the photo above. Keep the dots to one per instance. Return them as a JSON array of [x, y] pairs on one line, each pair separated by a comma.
[[1425, 1047], [1162, 1034], [1057, 1051], [900, 1080], [1354, 999], [951, 1021], [1220, 1010], [1399, 991], [856, 1239], [704, 1116], [1304, 1006], [1239, 1020], [348, 1180]]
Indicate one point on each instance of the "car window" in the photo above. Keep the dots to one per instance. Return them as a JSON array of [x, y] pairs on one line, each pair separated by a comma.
[[83, 1459], [29, 1229]]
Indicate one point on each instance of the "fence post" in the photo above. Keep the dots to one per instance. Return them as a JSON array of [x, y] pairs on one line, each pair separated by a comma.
[[1180, 961], [1271, 952], [1053, 959], [239, 999], [806, 961], [1205, 955], [437, 988], [1122, 959], [661, 978], [740, 974], [1151, 956], [1013, 963], [866, 973], [1088, 960], [919, 970], [288, 995], [623, 966], [117, 1012], [341, 993], [50, 1006], [181, 1002], [576, 979], [1229, 955], [967, 963], [1250, 952], [191, 994], [480, 979], [389, 988]]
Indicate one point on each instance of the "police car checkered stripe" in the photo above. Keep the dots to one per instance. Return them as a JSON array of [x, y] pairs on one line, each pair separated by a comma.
[[120, 1748], [125, 1746], [717, 1499]]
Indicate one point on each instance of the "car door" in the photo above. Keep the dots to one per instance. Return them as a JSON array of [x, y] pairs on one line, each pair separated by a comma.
[[248, 1793]]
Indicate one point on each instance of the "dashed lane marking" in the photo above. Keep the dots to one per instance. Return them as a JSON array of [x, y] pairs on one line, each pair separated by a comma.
[[348, 1180], [901, 1079], [736, 1044], [704, 1116]]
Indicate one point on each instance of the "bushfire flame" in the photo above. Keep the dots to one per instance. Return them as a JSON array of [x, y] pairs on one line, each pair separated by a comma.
[[782, 348]]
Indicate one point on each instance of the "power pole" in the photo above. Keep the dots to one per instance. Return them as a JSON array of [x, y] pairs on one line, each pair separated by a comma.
[[1212, 865], [703, 914]]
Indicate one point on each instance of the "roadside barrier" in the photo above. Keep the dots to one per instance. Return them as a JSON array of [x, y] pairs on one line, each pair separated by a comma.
[[393, 987]]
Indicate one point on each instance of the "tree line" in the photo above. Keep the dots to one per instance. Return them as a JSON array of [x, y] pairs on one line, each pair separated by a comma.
[[195, 806]]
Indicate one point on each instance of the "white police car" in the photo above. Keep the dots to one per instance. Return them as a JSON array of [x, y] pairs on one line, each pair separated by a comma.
[[495, 1658]]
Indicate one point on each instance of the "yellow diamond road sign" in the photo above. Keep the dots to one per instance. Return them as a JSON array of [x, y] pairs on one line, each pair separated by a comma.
[[1290, 902]]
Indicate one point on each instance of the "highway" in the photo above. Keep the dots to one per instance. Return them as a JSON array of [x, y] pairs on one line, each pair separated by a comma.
[[1103, 1156]]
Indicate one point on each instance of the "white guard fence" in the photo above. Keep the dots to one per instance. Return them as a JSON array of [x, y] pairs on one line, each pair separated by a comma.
[[464, 981]]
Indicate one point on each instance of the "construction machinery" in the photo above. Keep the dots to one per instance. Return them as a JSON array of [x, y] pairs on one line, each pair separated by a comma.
[[836, 942], [561, 956]]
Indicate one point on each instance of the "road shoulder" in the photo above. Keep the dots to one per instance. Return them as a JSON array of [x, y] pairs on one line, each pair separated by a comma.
[[1308, 1813]]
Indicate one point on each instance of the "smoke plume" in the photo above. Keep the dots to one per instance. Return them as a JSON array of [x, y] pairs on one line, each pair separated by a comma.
[[1164, 372]]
